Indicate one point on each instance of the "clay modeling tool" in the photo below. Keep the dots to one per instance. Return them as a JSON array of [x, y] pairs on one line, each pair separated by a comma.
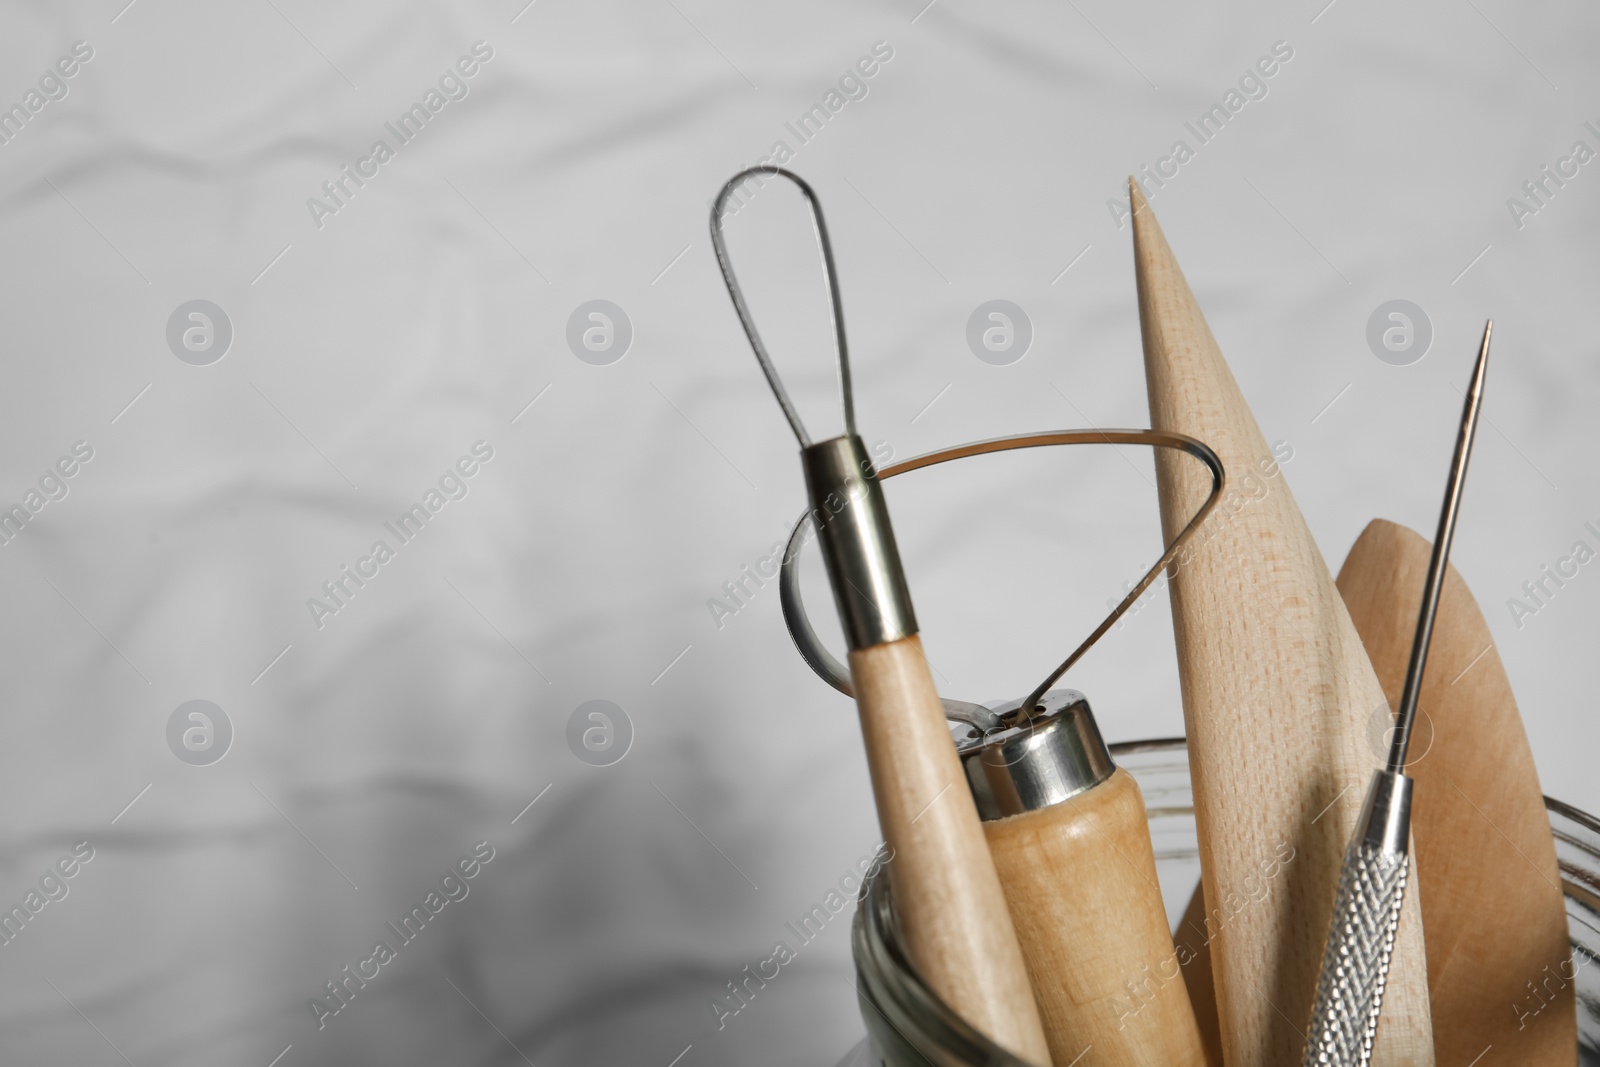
[[1372, 885], [943, 879], [1489, 883], [1067, 828], [1277, 692]]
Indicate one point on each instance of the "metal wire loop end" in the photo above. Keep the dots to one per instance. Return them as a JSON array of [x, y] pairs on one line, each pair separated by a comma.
[[835, 307]]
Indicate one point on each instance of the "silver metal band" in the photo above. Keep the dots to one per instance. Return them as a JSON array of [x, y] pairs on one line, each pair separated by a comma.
[[1025, 763], [1385, 823], [852, 523]]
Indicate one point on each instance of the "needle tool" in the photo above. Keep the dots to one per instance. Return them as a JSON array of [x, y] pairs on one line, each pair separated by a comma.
[[1372, 883]]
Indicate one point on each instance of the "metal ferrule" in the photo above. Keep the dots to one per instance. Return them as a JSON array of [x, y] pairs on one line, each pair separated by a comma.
[[1385, 823], [852, 523], [1017, 764]]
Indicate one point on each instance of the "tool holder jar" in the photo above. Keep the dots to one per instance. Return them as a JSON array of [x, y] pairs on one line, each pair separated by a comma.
[[908, 1026]]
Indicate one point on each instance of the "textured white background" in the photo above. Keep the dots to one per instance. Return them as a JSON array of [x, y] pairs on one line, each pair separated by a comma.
[[428, 312]]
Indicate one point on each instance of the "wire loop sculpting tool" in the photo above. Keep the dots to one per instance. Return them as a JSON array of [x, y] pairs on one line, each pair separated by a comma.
[[1372, 883], [944, 881]]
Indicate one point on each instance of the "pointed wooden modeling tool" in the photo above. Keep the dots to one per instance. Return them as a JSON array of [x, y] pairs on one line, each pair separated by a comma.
[[1277, 694], [1499, 963]]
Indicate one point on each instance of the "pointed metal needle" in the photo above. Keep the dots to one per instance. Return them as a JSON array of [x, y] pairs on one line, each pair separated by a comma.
[[1437, 563]]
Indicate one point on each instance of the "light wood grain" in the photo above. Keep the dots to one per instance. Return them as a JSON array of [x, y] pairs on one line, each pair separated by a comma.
[[1277, 693], [947, 896], [1499, 965], [1080, 879]]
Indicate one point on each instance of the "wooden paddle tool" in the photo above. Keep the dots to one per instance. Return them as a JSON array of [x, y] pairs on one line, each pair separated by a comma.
[[946, 893], [1277, 694]]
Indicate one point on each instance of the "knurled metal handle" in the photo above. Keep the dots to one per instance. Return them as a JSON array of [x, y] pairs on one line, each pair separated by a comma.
[[1344, 1019]]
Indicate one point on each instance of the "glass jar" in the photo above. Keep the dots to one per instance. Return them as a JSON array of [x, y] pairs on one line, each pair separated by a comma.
[[908, 1026]]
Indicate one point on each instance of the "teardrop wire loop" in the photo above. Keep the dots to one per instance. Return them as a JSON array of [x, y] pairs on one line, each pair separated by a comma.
[[835, 306], [821, 661]]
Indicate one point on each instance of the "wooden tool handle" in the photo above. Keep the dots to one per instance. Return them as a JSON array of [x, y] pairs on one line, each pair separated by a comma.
[[1499, 966], [947, 896], [1276, 692], [1080, 878]]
